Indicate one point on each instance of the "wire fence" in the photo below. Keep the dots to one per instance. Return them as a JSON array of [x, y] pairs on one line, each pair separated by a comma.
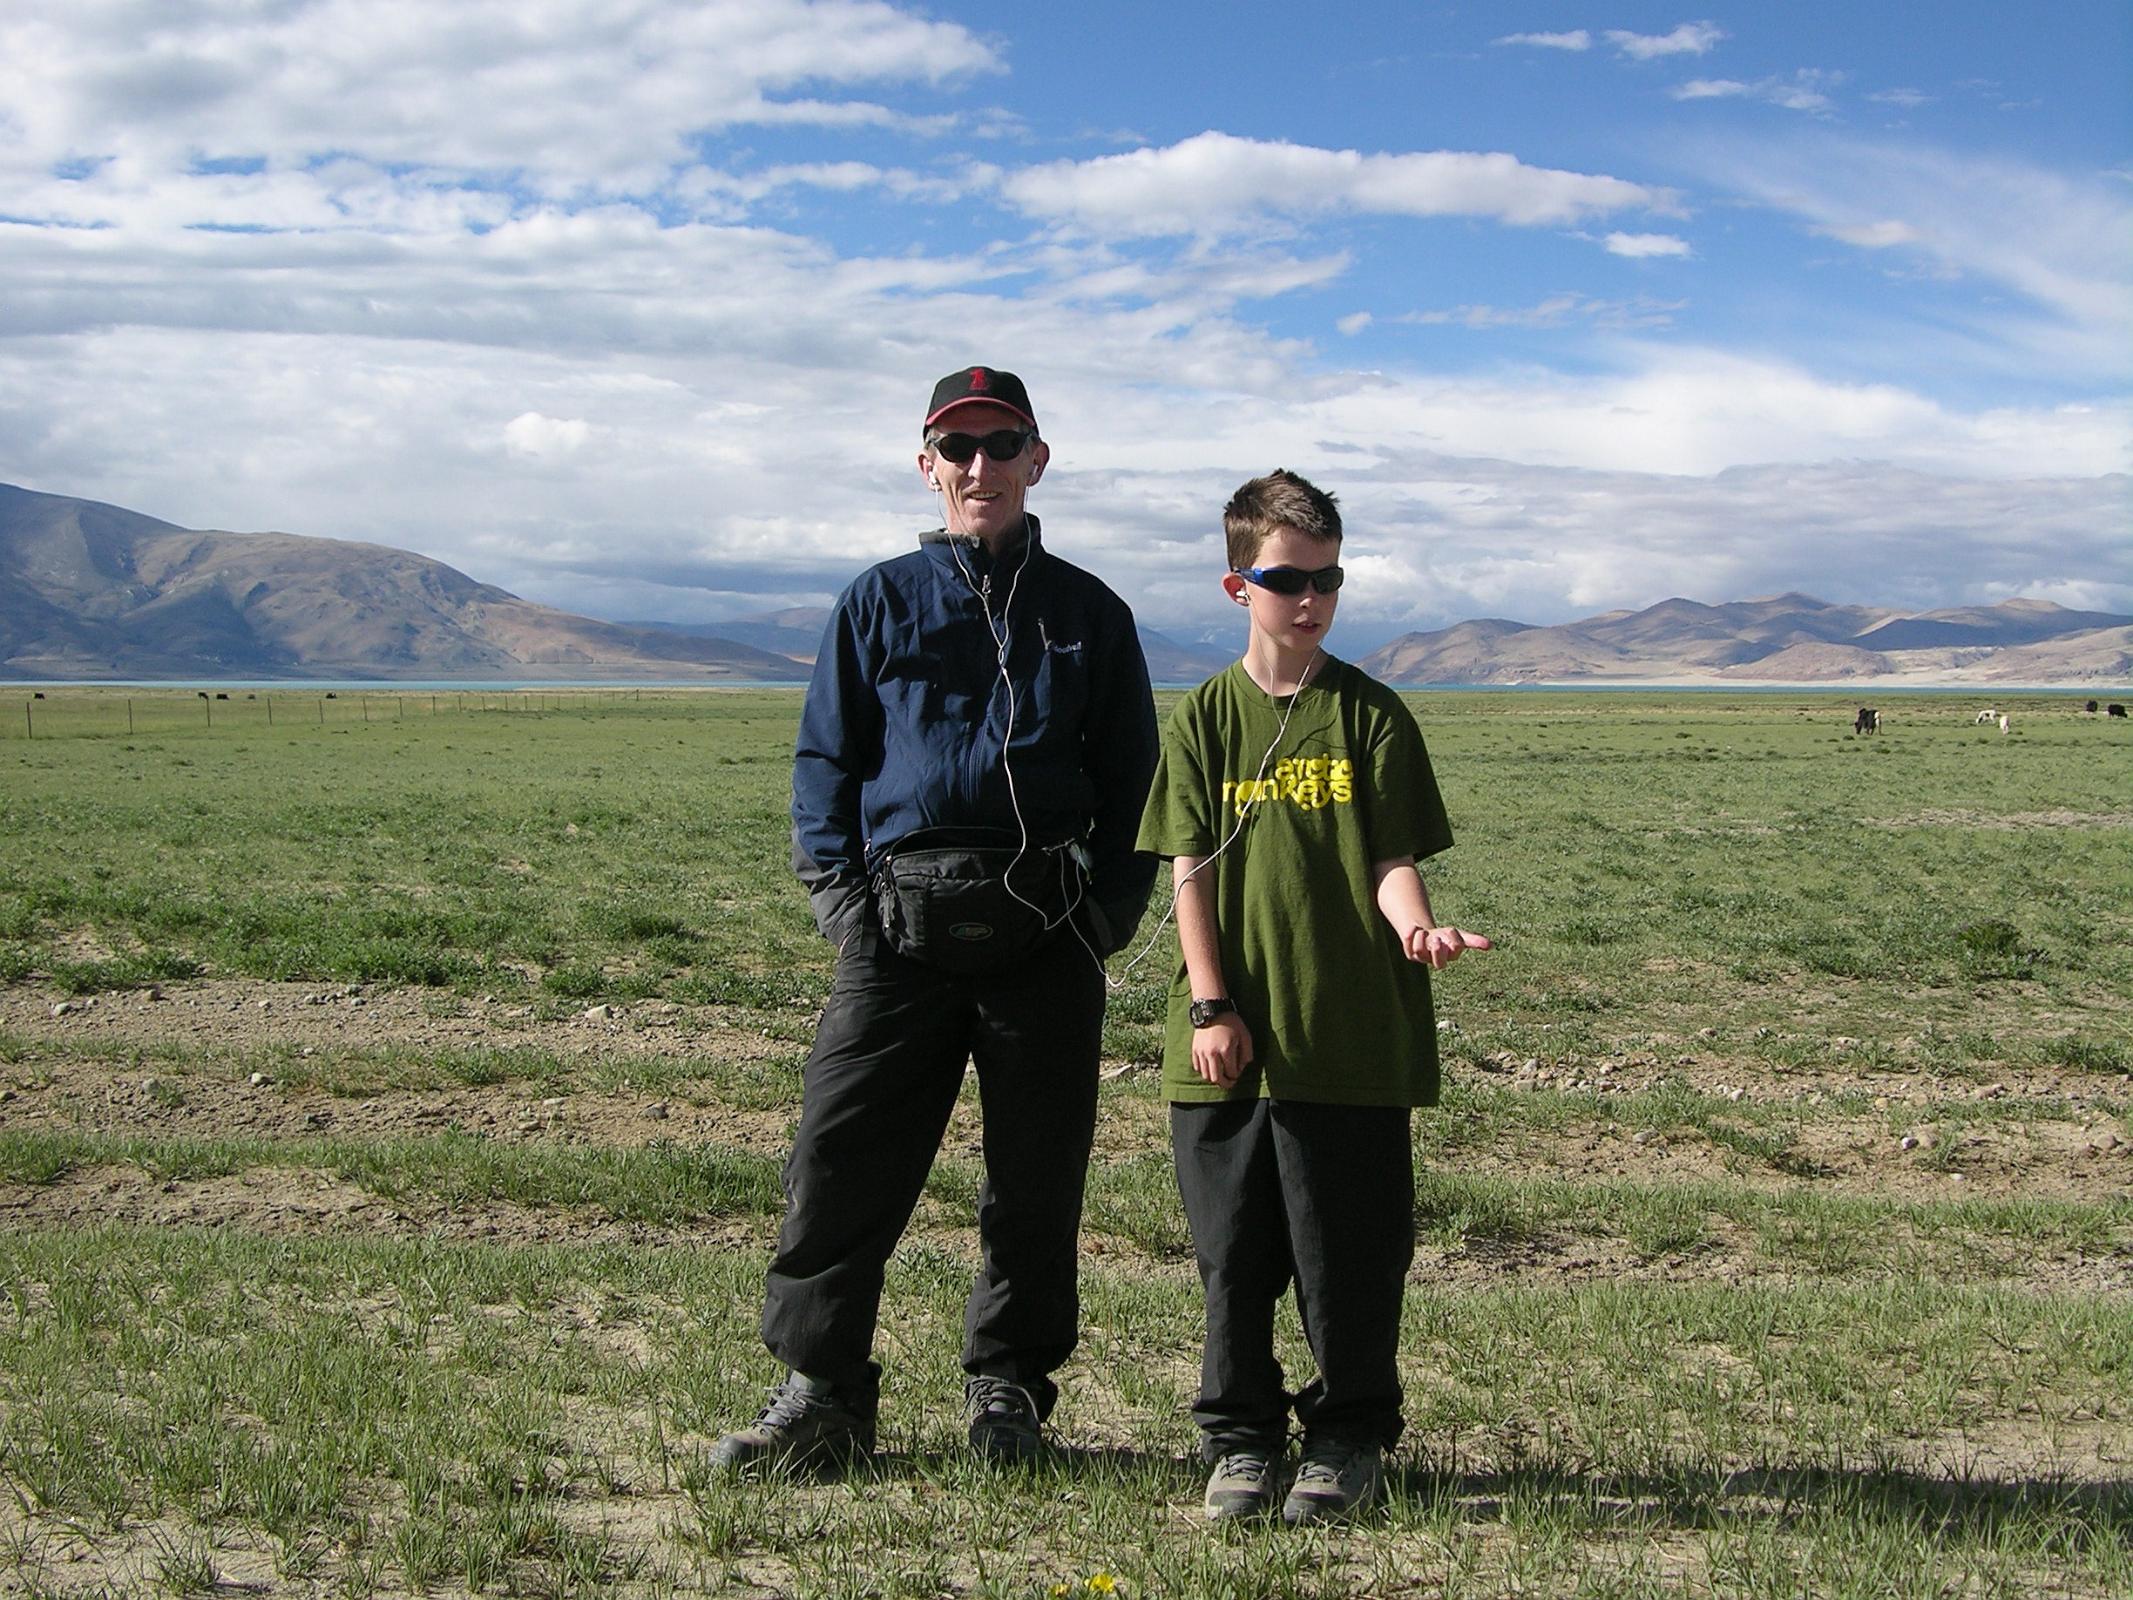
[[94, 712]]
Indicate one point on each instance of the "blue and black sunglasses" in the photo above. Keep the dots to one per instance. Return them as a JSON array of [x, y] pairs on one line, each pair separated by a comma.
[[1292, 580]]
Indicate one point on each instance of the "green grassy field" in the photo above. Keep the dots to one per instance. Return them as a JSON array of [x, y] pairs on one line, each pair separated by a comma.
[[392, 1093]]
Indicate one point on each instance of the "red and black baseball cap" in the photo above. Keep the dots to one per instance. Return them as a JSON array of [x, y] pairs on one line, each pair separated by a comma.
[[980, 385]]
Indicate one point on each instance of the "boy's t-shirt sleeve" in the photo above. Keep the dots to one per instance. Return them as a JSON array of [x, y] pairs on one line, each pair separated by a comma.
[[1175, 821], [1408, 818]]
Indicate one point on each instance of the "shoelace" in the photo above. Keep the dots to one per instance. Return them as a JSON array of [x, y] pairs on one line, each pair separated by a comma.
[[1243, 1465], [1323, 1469], [787, 1405], [1002, 1397]]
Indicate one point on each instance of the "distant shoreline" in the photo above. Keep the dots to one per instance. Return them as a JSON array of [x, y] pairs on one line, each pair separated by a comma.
[[1846, 689]]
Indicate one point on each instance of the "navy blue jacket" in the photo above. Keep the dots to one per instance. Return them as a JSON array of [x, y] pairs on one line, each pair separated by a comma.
[[907, 723]]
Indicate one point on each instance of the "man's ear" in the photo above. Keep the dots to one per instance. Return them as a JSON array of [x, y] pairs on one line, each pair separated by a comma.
[[1234, 587], [1040, 458], [925, 469]]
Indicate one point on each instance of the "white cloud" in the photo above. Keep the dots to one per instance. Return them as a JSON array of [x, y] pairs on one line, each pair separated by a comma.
[[1641, 246], [567, 94], [531, 434], [1555, 311], [1548, 545], [1806, 90], [1354, 323], [727, 466], [2059, 242], [1691, 39], [1711, 89], [1216, 183], [1885, 235], [1576, 39]]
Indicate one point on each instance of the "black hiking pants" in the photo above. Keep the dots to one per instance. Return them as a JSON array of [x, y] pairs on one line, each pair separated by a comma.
[[887, 1065], [1282, 1191]]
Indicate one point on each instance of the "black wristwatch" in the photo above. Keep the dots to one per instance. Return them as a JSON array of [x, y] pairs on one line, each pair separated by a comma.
[[1204, 1012]]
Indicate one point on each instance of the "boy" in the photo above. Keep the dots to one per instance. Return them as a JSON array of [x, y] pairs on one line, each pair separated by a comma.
[[1294, 796]]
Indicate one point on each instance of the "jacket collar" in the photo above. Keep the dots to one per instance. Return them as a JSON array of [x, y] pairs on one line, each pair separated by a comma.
[[946, 548]]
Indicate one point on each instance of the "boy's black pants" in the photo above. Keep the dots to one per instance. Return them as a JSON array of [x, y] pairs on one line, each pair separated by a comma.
[[1322, 1195], [886, 1068]]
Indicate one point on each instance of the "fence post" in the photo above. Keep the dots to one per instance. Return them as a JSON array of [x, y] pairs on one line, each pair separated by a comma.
[[28, 722], [129, 718], [270, 711]]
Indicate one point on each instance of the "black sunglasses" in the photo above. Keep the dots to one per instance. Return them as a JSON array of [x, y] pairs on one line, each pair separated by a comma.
[[963, 448], [1292, 580]]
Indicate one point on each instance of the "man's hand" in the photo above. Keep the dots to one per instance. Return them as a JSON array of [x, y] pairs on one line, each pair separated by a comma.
[[1222, 1050], [1440, 947]]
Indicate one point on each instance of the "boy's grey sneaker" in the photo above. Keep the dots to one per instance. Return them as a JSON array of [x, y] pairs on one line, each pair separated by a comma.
[[1337, 1479], [808, 1424], [1003, 1419], [1242, 1485]]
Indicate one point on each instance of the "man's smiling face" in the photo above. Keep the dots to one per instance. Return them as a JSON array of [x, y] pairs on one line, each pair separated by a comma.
[[983, 498]]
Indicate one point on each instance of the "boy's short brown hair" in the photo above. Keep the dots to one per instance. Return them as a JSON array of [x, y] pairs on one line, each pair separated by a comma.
[[1263, 507]]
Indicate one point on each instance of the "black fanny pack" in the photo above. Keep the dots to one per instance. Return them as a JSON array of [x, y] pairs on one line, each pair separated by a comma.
[[972, 900]]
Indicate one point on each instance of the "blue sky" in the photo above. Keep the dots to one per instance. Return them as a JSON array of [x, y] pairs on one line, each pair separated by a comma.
[[632, 308]]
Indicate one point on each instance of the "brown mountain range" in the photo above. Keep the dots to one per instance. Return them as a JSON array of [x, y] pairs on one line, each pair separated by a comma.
[[91, 591], [1787, 639]]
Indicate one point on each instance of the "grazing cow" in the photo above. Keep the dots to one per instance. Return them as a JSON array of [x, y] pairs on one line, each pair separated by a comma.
[[2091, 708], [1868, 721], [2114, 709], [2003, 724], [1989, 714]]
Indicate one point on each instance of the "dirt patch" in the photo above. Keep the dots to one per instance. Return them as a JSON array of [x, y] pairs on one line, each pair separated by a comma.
[[2000, 820], [305, 1065], [306, 1201]]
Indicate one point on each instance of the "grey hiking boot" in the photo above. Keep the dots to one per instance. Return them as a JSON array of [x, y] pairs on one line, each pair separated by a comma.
[[808, 1424], [1242, 1485], [1003, 1419], [1338, 1478]]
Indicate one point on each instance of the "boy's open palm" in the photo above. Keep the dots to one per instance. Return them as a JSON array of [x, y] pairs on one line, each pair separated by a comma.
[[1440, 947]]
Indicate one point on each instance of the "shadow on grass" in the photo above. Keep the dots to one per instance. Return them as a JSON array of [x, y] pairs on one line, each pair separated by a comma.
[[2092, 1512]]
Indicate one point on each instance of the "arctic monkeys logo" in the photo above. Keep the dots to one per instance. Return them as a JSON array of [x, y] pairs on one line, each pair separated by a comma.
[[1309, 783]]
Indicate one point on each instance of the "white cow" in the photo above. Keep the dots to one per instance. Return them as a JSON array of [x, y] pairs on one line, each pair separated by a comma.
[[1989, 714]]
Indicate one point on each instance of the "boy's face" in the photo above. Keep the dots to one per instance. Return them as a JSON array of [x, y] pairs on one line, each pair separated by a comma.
[[1294, 622]]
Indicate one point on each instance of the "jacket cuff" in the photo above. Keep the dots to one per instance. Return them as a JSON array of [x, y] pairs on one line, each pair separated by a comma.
[[841, 906]]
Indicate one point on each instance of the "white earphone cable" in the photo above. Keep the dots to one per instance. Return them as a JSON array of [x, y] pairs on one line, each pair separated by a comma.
[[1245, 811]]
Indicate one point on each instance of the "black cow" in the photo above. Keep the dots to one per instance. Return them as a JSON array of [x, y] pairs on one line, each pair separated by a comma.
[[2091, 708], [2114, 709], [1868, 721]]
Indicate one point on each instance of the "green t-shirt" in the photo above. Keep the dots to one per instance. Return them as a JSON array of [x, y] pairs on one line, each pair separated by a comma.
[[1337, 1012]]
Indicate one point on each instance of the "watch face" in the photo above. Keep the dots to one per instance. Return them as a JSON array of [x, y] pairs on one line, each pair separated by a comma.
[[1203, 1012]]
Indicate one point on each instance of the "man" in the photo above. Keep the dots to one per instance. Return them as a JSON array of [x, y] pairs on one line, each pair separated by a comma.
[[973, 754]]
